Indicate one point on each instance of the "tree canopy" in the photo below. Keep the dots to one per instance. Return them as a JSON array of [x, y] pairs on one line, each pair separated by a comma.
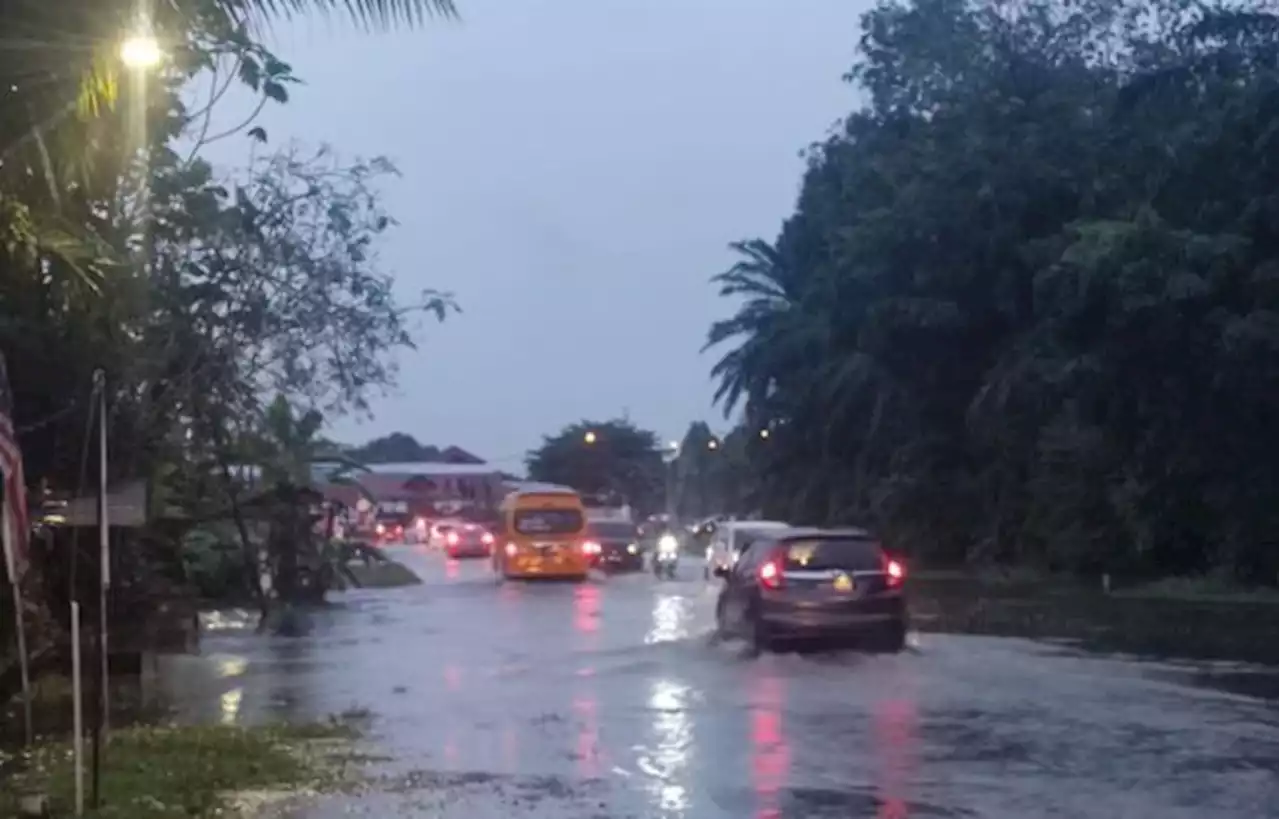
[[613, 458], [1025, 308]]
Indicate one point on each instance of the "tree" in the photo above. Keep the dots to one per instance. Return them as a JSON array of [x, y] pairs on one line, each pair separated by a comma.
[[613, 458], [198, 294], [1025, 310], [398, 447]]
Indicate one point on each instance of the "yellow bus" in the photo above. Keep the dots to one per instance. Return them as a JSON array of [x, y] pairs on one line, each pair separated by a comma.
[[543, 533]]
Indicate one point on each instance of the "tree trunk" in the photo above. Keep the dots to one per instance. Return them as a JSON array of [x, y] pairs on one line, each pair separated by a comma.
[[251, 563]]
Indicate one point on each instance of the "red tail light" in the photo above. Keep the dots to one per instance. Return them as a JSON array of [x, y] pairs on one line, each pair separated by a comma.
[[590, 547], [771, 575], [511, 549], [451, 538], [486, 539], [895, 572]]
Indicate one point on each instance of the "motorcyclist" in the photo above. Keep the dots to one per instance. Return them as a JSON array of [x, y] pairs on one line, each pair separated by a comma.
[[666, 553]]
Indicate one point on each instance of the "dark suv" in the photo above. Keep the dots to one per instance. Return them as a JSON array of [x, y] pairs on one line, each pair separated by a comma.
[[836, 584]]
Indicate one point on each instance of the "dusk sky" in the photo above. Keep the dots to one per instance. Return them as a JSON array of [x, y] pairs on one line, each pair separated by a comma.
[[573, 171]]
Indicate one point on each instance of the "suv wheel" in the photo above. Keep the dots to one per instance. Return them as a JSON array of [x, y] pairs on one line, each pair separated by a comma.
[[893, 636], [759, 639]]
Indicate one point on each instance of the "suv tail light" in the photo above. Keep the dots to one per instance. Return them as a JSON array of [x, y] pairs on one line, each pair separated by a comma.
[[590, 547], [770, 575], [451, 538], [487, 538], [894, 571]]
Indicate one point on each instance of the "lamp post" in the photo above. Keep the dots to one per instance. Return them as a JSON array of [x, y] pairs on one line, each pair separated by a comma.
[[139, 52]]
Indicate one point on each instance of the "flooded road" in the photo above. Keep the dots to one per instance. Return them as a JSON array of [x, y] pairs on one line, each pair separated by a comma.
[[606, 700]]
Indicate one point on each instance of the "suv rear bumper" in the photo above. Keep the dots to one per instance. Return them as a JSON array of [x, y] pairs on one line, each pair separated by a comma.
[[787, 619]]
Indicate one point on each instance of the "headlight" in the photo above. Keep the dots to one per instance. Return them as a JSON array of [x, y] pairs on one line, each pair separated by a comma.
[[711, 551], [631, 548], [667, 543]]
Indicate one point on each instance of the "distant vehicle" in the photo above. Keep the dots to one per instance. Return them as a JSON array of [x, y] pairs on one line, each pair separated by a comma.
[[666, 555], [812, 583], [731, 538], [419, 532], [438, 532], [468, 540], [620, 548], [544, 534], [390, 528]]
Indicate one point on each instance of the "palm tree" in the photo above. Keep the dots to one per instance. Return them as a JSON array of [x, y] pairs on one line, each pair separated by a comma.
[[770, 324]]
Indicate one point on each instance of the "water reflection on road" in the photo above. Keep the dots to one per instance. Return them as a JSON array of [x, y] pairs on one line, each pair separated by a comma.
[[605, 699]]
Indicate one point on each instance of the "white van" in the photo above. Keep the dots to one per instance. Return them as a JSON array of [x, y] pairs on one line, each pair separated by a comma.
[[731, 539]]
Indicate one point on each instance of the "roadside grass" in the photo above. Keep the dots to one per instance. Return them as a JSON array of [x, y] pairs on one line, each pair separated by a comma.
[[189, 771], [1207, 588], [1188, 619], [1017, 580]]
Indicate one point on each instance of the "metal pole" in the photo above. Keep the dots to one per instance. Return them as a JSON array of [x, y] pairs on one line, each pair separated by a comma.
[[104, 576], [104, 539], [77, 709]]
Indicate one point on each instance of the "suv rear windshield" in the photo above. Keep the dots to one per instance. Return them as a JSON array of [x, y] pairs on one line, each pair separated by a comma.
[[548, 521], [816, 554]]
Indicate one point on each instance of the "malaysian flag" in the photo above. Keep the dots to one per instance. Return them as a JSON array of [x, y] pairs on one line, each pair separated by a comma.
[[16, 527]]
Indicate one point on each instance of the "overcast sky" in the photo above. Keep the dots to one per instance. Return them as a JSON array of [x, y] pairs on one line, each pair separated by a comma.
[[573, 171]]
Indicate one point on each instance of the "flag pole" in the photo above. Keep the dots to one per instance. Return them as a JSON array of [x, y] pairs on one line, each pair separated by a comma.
[[16, 531], [24, 670]]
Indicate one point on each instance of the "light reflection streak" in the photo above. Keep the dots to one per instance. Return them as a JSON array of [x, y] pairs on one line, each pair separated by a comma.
[[895, 725], [510, 751], [588, 736], [586, 608], [231, 666], [670, 619], [451, 749], [668, 759], [229, 705], [770, 753]]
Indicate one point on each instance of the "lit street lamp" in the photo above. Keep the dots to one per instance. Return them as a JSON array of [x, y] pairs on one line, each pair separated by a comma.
[[140, 52], [764, 434], [713, 444], [589, 437]]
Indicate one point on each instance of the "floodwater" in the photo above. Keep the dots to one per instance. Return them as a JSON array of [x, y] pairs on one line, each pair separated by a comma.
[[606, 699]]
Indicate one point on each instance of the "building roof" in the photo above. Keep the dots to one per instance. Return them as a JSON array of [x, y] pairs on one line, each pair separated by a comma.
[[432, 468]]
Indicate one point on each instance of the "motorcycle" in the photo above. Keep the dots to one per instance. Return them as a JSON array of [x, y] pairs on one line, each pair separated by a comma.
[[665, 557]]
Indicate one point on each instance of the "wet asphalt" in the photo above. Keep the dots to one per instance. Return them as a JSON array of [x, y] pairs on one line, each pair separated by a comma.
[[606, 699]]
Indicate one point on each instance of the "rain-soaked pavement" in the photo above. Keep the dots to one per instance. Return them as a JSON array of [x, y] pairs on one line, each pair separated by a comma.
[[606, 700]]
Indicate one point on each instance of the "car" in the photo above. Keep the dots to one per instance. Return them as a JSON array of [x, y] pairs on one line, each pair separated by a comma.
[[390, 528], [468, 540], [732, 537], [821, 584], [619, 542], [438, 532]]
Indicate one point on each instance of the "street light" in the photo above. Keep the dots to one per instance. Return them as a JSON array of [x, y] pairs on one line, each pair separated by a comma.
[[764, 434], [141, 52], [713, 444], [589, 437]]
